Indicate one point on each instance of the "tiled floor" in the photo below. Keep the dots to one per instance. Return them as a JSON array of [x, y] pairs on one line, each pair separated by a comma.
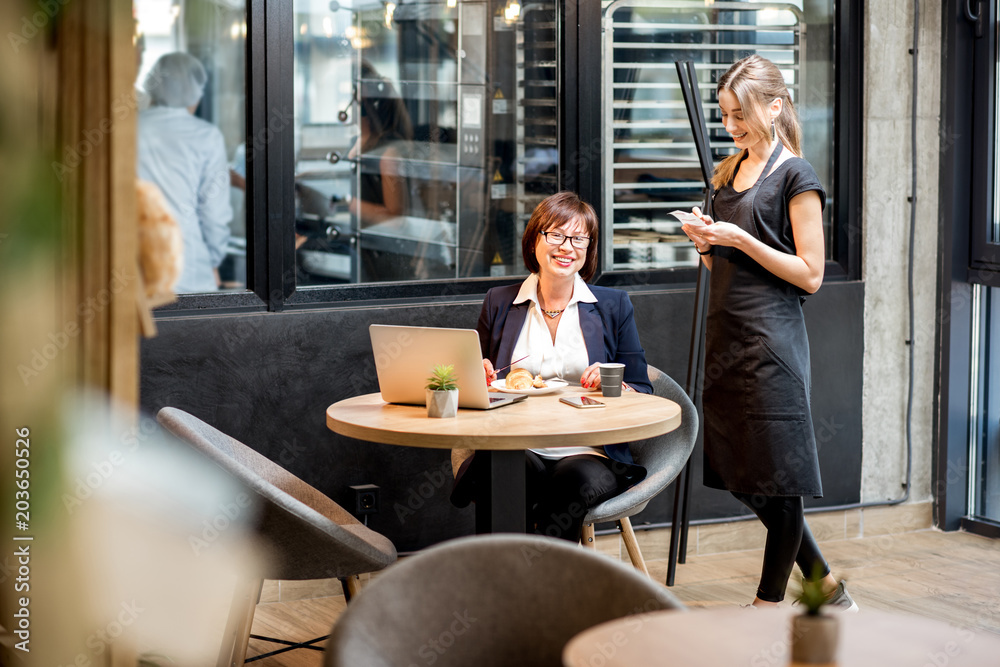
[[953, 577]]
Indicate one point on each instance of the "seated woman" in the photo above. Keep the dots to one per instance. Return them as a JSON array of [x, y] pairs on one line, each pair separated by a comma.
[[566, 328]]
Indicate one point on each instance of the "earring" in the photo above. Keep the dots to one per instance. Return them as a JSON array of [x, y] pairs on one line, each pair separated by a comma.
[[774, 132]]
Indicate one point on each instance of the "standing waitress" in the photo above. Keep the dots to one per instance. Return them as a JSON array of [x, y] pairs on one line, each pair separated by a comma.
[[759, 441]]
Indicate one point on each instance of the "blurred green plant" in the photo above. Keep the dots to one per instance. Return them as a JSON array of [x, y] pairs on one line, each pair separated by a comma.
[[813, 597]]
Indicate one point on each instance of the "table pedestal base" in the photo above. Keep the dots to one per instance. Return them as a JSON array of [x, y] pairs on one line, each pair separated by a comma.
[[504, 486]]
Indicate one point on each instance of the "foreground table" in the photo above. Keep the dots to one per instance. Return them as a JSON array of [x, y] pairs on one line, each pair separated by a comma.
[[734, 636], [503, 433]]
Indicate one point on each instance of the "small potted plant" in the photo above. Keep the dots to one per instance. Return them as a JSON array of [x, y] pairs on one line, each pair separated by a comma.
[[442, 392], [814, 634]]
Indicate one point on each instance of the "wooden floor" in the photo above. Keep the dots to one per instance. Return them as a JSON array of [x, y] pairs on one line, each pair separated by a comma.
[[953, 577]]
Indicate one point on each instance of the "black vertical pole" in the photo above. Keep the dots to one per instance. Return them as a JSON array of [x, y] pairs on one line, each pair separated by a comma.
[[682, 491]]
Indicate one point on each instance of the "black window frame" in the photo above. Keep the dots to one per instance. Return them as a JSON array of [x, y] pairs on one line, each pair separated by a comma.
[[984, 255], [967, 136], [270, 168]]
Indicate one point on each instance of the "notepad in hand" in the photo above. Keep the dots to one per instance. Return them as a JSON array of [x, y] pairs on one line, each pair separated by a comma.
[[688, 218]]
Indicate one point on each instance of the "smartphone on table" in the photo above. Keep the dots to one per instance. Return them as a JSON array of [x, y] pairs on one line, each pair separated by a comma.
[[581, 402]]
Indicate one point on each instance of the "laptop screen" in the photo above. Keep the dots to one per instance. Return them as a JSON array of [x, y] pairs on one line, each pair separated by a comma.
[[406, 356]]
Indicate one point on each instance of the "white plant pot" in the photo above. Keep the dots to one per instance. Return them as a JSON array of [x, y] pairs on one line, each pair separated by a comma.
[[442, 403], [814, 639]]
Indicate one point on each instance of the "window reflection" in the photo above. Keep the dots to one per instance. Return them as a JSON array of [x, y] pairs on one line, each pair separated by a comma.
[[410, 144], [651, 164], [192, 129]]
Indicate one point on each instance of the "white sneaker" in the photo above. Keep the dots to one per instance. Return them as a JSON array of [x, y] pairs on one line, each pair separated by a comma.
[[842, 601]]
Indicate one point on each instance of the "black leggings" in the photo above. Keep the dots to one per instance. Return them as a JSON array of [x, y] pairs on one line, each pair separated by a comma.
[[789, 541], [562, 491]]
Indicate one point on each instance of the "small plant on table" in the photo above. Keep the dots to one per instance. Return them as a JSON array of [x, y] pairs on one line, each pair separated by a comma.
[[814, 634], [442, 378], [442, 392]]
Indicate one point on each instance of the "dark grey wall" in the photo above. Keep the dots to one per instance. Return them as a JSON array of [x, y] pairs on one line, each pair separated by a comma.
[[267, 378]]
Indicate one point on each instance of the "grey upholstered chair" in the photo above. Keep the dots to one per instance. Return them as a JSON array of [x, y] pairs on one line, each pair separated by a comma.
[[488, 600], [663, 457], [307, 535]]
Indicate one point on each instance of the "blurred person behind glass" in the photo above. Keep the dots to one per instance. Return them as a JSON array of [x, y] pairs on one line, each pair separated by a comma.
[[385, 125], [186, 157]]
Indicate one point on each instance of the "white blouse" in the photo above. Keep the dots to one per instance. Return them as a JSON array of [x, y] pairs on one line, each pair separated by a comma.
[[566, 358]]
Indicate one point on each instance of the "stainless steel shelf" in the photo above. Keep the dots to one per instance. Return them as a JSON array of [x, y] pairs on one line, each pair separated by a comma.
[[646, 130]]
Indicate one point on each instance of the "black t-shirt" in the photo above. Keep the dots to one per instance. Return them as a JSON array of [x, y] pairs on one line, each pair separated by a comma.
[[771, 223]]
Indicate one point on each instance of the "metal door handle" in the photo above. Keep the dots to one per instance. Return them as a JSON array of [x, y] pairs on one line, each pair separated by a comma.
[[976, 18], [968, 12]]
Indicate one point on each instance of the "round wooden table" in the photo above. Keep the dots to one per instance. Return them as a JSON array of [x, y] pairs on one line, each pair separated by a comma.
[[503, 433], [734, 636]]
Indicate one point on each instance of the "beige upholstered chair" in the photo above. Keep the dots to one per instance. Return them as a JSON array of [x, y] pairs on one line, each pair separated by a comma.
[[308, 536], [488, 601]]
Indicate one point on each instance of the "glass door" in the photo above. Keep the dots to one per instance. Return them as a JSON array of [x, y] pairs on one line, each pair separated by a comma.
[[984, 436]]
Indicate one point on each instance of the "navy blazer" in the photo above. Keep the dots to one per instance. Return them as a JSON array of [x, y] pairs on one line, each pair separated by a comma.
[[609, 333]]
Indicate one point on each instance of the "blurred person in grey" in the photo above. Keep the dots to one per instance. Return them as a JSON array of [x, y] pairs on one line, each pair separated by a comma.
[[186, 157]]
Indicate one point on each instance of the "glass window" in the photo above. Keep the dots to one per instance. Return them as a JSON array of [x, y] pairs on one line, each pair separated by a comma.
[[190, 95], [651, 165], [984, 436], [425, 133]]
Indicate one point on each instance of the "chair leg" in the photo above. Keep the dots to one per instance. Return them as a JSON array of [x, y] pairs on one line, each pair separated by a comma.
[[631, 545], [234, 643], [354, 586], [351, 586], [587, 536]]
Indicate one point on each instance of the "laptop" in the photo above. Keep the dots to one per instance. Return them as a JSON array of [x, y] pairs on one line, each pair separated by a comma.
[[406, 356]]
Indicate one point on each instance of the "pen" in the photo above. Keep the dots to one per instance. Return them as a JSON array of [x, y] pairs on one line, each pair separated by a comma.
[[497, 370]]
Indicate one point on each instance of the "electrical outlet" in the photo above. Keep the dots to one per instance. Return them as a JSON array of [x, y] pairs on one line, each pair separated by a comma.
[[366, 499]]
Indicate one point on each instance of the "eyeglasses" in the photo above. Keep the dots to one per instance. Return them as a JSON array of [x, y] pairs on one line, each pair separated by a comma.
[[558, 238]]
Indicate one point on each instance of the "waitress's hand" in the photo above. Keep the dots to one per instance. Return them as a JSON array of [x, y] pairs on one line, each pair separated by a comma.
[[591, 378], [491, 374], [694, 232], [714, 233]]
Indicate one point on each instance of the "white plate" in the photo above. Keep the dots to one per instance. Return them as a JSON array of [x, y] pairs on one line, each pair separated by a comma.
[[552, 385]]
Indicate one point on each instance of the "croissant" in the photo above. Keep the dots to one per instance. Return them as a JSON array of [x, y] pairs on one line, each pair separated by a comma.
[[538, 382], [519, 378]]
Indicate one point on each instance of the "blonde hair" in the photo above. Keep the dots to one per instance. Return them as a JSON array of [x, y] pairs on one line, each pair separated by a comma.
[[756, 82]]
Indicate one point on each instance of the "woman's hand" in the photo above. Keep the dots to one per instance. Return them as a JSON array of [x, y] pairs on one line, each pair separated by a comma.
[[694, 231], [491, 374], [591, 378], [719, 233], [713, 233]]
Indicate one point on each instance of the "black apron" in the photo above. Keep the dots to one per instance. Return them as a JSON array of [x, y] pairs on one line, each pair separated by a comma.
[[758, 427]]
